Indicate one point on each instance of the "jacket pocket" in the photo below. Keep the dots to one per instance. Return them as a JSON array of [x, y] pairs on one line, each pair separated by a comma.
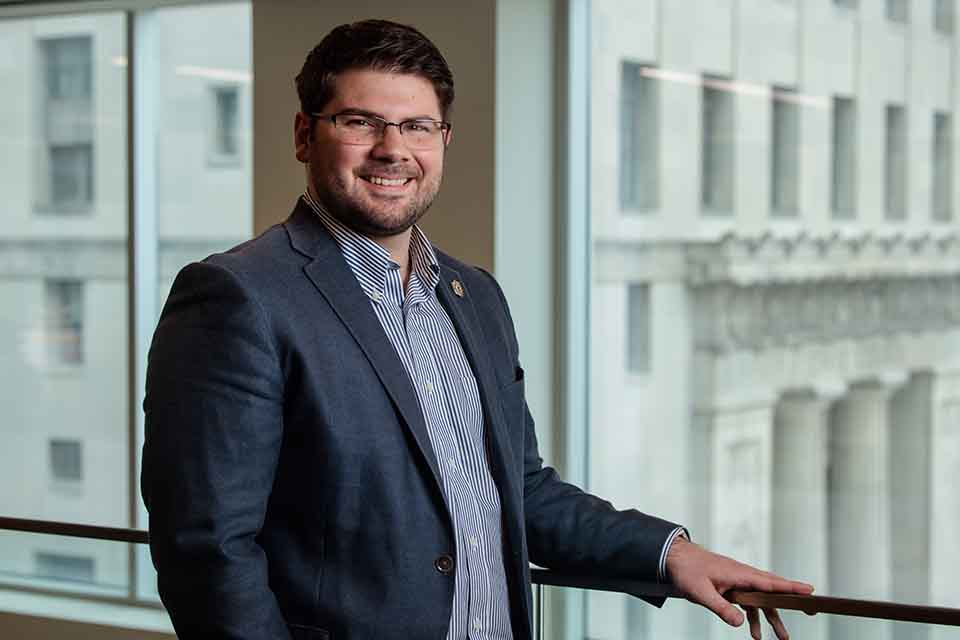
[[303, 632]]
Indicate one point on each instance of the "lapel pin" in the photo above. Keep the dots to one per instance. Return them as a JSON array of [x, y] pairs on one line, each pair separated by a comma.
[[457, 288]]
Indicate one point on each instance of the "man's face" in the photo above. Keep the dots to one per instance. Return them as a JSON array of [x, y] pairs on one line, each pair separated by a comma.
[[341, 174]]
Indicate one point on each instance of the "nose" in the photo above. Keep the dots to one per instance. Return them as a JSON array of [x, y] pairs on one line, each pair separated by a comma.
[[391, 146]]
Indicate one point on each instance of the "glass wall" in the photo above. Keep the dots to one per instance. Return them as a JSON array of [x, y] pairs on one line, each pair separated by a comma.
[[68, 233], [775, 295]]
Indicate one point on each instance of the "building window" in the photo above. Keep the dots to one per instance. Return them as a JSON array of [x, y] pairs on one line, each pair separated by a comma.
[[844, 158], [942, 188], [943, 16], [71, 175], [638, 328], [784, 153], [66, 460], [226, 125], [66, 177], [64, 313], [716, 188], [898, 10], [895, 163], [58, 566], [69, 67], [639, 139]]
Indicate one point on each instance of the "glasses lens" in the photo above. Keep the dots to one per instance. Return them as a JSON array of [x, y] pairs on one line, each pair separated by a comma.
[[422, 134], [355, 129]]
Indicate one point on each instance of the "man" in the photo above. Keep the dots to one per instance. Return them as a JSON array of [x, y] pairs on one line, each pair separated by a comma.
[[337, 442]]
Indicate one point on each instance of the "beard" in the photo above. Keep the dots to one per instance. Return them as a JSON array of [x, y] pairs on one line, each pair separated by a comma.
[[371, 216]]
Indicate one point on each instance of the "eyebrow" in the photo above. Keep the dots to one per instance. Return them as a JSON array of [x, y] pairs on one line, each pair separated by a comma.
[[373, 114]]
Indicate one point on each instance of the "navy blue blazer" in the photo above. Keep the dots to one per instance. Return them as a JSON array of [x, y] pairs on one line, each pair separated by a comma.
[[291, 485]]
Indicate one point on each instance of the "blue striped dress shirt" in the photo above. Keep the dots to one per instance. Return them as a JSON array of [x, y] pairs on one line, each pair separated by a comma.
[[427, 343]]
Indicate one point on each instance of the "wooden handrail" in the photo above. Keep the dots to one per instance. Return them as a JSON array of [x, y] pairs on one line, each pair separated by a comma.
[[848, 607], [807, 604], [72, 530]]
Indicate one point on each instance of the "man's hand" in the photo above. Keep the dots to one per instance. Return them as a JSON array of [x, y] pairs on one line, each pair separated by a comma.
[[703, 577]]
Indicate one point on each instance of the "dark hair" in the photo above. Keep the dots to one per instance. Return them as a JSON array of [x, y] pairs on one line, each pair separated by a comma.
[[379, 45]]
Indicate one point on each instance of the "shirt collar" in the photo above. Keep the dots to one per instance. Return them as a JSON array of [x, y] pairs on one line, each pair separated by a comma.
[[370, 262]]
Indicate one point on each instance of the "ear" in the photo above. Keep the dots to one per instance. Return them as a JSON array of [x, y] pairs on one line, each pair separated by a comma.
[[301, 136]]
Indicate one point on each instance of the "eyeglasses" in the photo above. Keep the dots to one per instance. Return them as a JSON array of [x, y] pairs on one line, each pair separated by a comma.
[[359, 128]]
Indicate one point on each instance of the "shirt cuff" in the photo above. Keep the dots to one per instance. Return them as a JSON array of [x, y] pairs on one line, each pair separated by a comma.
[[662, 566]]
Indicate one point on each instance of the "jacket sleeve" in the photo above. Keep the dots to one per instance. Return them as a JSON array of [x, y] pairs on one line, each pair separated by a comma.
[[568, 529], [213, 428]]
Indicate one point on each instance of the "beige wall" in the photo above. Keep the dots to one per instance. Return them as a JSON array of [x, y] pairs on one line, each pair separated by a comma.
[[18, 626], [461, 219], [497, 205]]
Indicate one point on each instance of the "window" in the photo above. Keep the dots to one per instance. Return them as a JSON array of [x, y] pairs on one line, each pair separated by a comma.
[[71, 175], [898, 10], [895, 163], [64, 567], [844, 158], [69, 67], [943, 16], [64, 321], [765, 321], [942, 187], [226, 126], [66, 460], [784, 153], [639, 140], [638, 328], [716, 158], [67, 125]]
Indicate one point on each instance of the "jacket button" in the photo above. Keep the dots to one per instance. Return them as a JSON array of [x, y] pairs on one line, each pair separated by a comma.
[[444, 564]]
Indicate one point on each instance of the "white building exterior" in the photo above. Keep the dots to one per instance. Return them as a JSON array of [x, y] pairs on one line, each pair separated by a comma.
[[776, 295], [64, 340]]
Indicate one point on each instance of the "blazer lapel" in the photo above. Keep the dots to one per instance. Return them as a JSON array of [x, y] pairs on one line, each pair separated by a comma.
[[332, 277], [467, 323]]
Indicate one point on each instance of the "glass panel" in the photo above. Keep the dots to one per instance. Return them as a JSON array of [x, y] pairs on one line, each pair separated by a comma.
[[63, 278], [195, 185], [63, 297], [800, 403]]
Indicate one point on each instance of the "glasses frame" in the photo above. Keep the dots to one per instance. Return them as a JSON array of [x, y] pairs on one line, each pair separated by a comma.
[[383, 124]]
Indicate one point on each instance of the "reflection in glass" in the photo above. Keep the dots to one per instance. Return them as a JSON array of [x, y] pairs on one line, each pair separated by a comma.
[[799, 401]]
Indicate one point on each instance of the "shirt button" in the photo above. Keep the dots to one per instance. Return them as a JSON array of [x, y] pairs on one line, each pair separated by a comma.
[[444, 564], [429, 387], [476, 624], [451, 463], [377, 296], [474, 542]]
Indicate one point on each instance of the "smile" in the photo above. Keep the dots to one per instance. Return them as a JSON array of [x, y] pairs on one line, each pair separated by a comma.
[[386, 182]]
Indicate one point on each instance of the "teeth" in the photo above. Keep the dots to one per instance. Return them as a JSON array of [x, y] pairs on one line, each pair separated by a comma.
[[386, 181]]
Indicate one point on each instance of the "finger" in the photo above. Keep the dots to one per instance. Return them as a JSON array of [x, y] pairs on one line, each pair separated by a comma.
[[753, 618], [757, 580], [711, 599], [773, 617]]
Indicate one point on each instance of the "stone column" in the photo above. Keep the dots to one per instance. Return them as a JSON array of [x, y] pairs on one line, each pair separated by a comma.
[[799, 507], [944, 503], [911, 410], [741, 442], [859, 503]]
